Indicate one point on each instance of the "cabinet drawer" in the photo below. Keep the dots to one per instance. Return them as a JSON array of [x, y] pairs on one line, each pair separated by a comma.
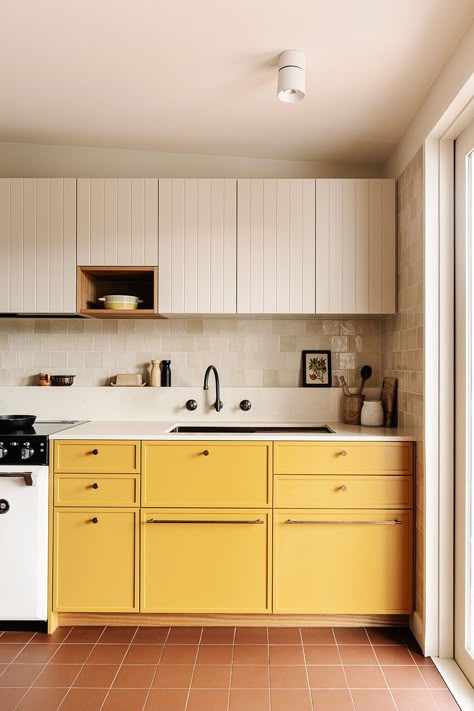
[[97, 490], [109, 456], [343, 458], [206, 474], [336, 492]]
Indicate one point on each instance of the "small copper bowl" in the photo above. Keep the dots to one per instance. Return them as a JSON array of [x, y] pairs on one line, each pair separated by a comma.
[[62, 379]]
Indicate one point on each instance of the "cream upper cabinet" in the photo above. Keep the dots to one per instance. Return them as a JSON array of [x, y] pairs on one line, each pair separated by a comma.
[[276, 246], [355, 246], [197, 246], [117, 222], [38, 233]]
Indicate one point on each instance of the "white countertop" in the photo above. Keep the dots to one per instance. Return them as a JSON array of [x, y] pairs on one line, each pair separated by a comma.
[[150, 430]]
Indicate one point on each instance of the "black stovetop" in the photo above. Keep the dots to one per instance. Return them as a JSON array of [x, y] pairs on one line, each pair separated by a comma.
[[43, 428]]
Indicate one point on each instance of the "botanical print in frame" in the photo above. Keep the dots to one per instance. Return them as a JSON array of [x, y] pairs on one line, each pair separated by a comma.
[[317, 369]]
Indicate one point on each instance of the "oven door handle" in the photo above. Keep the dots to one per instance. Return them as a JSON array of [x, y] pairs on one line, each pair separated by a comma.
[[27, 476]]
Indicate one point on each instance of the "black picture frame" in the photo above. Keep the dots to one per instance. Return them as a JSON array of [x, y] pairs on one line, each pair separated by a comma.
[[317, 377]]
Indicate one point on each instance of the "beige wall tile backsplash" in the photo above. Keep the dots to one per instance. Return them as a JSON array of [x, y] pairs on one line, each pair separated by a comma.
[[253, 352]]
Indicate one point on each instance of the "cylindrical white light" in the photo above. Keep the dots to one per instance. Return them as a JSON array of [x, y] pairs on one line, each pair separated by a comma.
[[291, 76]]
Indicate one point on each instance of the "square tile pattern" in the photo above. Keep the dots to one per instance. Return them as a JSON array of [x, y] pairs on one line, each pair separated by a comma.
[[218, 669]]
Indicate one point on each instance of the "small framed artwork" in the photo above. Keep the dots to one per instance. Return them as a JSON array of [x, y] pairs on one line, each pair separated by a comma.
[[317, 369]]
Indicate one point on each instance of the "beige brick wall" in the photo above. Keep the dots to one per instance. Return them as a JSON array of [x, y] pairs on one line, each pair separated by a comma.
[[403, 340]]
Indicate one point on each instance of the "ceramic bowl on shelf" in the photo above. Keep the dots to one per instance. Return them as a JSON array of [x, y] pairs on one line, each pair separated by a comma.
[[120, 301], [62, 379]]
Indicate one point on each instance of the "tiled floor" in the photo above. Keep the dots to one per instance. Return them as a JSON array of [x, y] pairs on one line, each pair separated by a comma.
[[218, 669]]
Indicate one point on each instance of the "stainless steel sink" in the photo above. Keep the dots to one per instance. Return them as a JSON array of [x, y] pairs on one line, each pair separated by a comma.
[[256, 429]]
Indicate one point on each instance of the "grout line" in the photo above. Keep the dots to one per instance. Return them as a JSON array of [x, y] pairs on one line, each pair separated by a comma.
[[344, 668], [381, 669], [157, 665], [120, 665], [231, 669], [306, 671], [194, 669]]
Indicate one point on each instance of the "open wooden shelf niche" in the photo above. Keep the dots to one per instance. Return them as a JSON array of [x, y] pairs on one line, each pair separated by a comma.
[[94, 282]]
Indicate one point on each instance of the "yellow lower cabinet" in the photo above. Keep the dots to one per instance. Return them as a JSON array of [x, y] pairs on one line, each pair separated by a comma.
[[95, 560], [342, 562], [195, 560]]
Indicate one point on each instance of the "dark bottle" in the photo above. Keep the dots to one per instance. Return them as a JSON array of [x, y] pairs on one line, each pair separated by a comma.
[[165, 374]]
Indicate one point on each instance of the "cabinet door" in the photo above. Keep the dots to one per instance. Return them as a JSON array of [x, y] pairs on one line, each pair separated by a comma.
[[355, 246], [38, 232], [205, 561], [197, 256], [117, 222], [95, 560], [350, 562], [276, 247]]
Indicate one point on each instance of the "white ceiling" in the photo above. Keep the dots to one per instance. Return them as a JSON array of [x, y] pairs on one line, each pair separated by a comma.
[[199, 76]]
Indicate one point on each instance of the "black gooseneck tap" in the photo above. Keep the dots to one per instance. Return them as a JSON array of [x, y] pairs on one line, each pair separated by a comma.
[[218, 404]]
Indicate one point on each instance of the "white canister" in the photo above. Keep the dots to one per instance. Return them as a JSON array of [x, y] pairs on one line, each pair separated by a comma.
[[372, 413]]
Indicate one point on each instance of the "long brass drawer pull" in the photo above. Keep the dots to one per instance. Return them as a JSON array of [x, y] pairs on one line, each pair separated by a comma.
[[160, 520], [348, 523]]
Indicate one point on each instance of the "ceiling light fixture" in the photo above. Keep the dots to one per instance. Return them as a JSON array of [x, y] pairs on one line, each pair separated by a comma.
[[291, 76]]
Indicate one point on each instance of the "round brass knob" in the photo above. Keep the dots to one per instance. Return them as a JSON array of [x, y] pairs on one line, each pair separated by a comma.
[[343, 453], [343, 487]]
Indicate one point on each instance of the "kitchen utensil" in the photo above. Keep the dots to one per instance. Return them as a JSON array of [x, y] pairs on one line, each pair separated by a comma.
[[155, 375], [12, 423], [342, 381], [62, 379], [120, 301], [165, 374], [389, 398], [352, 408], [365, 373]]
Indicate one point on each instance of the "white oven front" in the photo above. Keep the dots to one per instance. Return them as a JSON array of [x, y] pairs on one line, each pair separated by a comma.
[[23, 543]]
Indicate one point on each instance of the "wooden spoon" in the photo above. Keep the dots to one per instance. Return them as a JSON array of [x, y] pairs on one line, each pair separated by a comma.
[[342, 381], [365, 373]]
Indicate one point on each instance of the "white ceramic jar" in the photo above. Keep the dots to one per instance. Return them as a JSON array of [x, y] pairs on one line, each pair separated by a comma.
[[372, 413]]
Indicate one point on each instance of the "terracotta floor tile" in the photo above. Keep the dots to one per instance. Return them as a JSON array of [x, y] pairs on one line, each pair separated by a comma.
[[118, 635], [58, 675], [253, 700], [414, 700], [72, 653], [106, 653], [399, 677], [351, 635], [251, 635], [42, 700], [288, 677], [20, 675], [284, 635], [144, 654], [318, 635], [387, 635], [2, 668], [215, 654], [8, 652], [179, 654], [217, 635], [326, 677], [166, 700], [207, 700], [11, 697], [393, 655], [37, 653], [432, 677], [294, 699], [97, 675], [322, 654], [332, 700], [251, 654], [444, 699], [184, 635], [419, 659], [16, 637], [88, 635], [359, 677], [372, 700], [171, 676], [250, 678], [286, 654], [357, 654], [151, 635], [134, 676], [125, 700], [211, 677], [58, 636], [84, 699]]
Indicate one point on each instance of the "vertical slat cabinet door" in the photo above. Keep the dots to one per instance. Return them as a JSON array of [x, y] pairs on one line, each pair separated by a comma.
[[361, 263], [382, 247], [323, 246], [389, 248], [197, 246], [38, 223], [117, 222], [276, 246]]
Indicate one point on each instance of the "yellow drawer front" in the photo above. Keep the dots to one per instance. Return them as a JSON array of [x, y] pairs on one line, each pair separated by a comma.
[[343, 458], [205, 561], [95, 563], [347, 562], [112, 457], [336, 492], [96, 490], [211, 474]]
